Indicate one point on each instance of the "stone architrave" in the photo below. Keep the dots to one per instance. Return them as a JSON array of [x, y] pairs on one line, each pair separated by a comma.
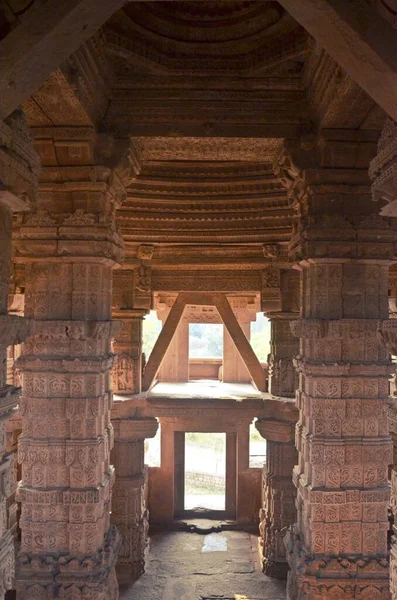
[[129, 501], [279, 494], [18, 178], [338, 547], [69, 245]]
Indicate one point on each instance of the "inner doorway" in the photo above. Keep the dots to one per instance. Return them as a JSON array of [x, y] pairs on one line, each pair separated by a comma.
[[205, 472]]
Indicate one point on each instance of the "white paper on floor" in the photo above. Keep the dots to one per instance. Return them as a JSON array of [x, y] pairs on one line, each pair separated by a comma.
[[214, 542]]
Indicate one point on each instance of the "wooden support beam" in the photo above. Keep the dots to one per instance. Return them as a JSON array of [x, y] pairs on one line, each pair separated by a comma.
[[163, 341], [47, 36], [358, 39], [242, 344]]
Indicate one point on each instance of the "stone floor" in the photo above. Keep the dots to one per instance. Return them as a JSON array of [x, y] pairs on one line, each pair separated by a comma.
[[190, 566], [205, 388]]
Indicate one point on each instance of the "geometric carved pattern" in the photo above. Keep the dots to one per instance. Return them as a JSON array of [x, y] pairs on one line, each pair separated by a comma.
[[338, 548]]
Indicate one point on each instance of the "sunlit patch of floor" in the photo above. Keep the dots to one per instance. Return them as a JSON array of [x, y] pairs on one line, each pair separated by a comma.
[[179, 568]]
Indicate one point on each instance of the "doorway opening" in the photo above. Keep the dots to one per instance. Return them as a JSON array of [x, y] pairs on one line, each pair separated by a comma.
[[205, 350], [205, 471]]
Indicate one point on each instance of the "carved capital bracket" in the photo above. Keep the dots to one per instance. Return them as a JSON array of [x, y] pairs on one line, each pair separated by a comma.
[[270, 292], [383, 170], [323, 180], [19, 163], [275, 431], [134, 429]]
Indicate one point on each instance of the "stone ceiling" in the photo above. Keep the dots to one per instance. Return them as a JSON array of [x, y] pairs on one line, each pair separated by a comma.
[[208, 90], [207, 201]]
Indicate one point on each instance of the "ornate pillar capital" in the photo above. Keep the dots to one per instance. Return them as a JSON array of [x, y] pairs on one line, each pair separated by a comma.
[[383, 170], [276, 431], [134, 429]]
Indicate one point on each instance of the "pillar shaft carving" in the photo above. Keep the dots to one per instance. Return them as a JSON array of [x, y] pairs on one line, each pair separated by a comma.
[[283, 378], [127, 346], [339, 546], [388, 334], [69, 245], [129, 502], [18, 178], [279, 494]]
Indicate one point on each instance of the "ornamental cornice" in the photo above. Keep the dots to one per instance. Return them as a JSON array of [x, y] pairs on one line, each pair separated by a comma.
[[285, 219], [177, 187], [269, 203], [159, 148], [289, 45]]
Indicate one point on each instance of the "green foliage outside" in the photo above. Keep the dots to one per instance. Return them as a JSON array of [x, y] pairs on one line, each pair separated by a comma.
[[151, 330], [215, 441]]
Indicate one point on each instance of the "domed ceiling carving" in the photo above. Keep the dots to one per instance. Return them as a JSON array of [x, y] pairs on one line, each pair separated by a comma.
[[207, 36]]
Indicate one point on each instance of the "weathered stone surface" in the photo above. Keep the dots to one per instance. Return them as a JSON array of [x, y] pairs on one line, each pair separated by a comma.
[[68, 546], [342, 434]]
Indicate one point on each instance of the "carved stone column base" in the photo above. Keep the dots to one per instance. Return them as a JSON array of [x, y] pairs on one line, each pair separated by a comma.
[[278, 570], [338, 578], [131, 493], [70, 577]]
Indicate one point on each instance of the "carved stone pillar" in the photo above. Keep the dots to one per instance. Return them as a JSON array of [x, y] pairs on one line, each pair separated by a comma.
[[18, 177], [388, 333], [127, 346], [129, 502], [69, 245], [279, 494], [383, 172], [339, 546], [283, 377]]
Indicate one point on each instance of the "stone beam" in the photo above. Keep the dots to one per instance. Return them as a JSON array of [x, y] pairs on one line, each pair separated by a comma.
[[229, 320], [359, 39], [242, 344], [48, 36], [163, 342]]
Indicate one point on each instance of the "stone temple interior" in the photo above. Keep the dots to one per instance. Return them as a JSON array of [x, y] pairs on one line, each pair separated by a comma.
[[208, 160]]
